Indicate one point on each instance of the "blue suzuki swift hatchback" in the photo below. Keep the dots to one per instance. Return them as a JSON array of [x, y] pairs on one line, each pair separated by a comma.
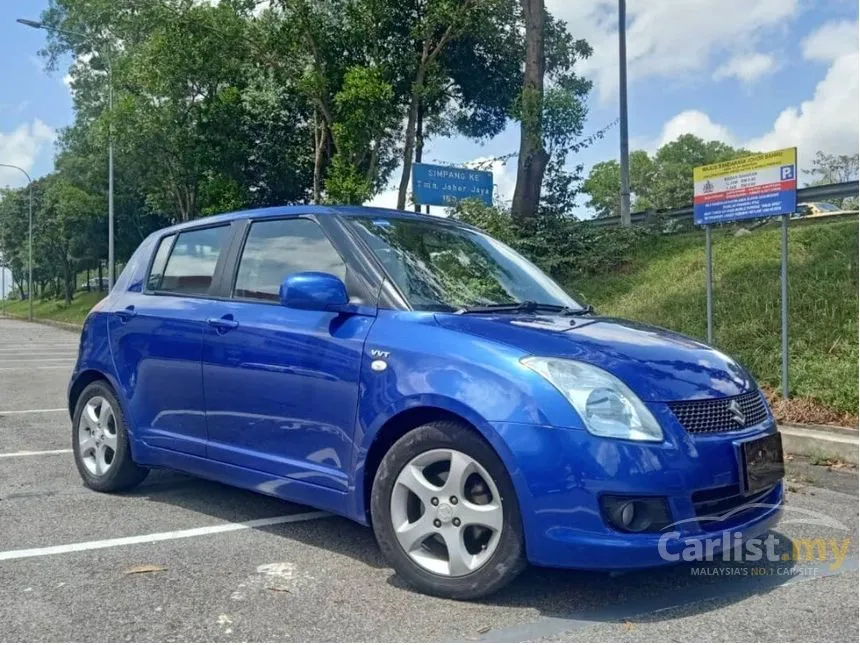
[[416, 375]]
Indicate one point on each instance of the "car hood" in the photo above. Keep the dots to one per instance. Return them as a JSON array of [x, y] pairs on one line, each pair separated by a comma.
[[657, 364]]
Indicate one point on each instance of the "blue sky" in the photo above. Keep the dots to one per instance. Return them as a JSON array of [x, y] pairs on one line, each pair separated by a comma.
[[760, 73]]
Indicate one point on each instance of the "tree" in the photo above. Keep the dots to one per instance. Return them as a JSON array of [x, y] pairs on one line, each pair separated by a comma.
[[603, 184], [661, 182], [833, 169], [363, 131], [439, 22], [533, 158]]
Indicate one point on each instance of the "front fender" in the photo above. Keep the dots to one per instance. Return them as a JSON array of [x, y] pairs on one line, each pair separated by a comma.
[[428, 366]]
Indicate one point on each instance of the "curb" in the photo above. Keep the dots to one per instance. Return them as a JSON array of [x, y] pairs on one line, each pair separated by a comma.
[[821, 441]]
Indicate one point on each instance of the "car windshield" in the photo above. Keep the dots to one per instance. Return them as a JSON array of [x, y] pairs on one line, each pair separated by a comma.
[[825, 206], [445, 267]]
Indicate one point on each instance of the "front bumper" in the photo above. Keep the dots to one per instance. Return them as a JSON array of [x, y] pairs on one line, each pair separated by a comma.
[[561, 473]]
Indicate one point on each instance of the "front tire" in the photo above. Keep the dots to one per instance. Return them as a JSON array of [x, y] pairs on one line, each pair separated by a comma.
[[100, 442], [445, 513]]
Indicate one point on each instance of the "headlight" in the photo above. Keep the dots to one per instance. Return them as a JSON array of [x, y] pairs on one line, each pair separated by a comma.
[[607, 406]]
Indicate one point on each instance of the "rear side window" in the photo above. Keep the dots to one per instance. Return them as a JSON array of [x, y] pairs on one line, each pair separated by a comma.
[[153, 282], [277, 248], [191, 264]]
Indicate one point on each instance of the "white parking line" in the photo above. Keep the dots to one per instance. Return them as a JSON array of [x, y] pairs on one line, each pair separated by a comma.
[[44, 359], [2, 412], [21, 349], [41, 367], [34, 453], [160, 537]]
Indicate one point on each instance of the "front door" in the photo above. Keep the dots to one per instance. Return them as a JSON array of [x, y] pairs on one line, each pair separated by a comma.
[[281, 385], [157, 341]]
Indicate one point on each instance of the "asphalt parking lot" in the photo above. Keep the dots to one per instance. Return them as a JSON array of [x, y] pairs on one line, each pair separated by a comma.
[[182, 559]]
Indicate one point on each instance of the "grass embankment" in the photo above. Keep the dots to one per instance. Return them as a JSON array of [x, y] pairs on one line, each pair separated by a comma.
[[664, 284], [58, 310]]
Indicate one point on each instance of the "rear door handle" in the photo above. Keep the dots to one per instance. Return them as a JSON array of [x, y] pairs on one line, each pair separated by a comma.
[[126, 314], [223, 324]]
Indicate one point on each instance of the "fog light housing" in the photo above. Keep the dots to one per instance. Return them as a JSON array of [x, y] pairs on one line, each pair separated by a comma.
[[635, 514]]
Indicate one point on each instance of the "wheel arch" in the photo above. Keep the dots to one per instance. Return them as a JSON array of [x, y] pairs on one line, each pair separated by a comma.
[[410, 417], [80, 382]]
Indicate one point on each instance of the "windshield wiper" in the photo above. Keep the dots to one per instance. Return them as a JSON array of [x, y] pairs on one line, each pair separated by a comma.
[[526, 306]]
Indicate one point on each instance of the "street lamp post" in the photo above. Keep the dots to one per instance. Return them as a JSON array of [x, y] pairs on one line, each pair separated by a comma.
[[624, 197], [29, 243], [40, 25]]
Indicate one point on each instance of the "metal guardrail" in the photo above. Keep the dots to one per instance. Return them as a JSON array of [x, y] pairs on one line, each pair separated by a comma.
[[808, 194]]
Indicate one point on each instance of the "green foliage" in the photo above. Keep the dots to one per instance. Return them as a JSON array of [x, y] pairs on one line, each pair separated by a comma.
[[365, 121], [664, 181]]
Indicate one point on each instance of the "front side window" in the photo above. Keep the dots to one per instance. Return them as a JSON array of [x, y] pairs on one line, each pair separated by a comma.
[[191, 264], [277, 248], [443, 267]]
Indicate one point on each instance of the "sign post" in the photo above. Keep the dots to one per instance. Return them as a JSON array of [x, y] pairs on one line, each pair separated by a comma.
[[447, 185], [709, 288], [762, 185]]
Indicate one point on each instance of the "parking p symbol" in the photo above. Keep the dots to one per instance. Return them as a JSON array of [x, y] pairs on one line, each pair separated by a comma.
[[786, 172]]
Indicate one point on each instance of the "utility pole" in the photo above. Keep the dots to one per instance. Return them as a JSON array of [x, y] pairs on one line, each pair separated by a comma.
[[624, 202]]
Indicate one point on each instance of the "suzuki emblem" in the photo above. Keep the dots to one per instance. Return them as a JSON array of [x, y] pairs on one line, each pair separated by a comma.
[[736, 412]]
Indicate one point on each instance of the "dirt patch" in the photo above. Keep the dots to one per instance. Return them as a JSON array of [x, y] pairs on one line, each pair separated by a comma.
[[806, 410]]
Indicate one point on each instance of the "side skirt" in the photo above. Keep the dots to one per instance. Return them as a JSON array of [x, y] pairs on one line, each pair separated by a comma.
[[291, 490]]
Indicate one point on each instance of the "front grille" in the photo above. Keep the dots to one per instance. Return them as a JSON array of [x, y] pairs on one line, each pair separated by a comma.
[[727, 505], [716, 415]]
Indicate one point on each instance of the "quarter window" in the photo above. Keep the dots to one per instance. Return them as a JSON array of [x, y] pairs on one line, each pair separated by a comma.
[[277, 248], [192, 262], [153, 282]]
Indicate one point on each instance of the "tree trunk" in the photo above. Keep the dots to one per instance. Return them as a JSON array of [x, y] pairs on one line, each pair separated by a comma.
[[100, 275], [67, 296], [319, 146], [409, 140], [533, 158]]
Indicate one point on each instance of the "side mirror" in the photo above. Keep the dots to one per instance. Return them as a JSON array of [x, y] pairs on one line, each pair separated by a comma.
[[313, 291]]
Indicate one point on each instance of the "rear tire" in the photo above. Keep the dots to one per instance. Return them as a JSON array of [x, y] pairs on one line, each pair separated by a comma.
[[100, 442], [455, 533]]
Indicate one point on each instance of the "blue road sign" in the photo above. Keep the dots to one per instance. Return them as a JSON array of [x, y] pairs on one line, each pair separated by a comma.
[[447, 185]]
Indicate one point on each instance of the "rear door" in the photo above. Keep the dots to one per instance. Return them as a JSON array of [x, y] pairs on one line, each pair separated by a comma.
[[156, 337], [281, 385]]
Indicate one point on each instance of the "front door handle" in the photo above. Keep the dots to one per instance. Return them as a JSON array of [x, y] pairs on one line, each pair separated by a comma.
[[223, 324], [125, 314]]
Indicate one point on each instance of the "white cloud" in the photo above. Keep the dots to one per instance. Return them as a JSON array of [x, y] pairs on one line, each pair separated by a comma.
[[386, 199], [693, 122], [827, 121], [747, 68], [669, 39], [831, 41], [21, 147]]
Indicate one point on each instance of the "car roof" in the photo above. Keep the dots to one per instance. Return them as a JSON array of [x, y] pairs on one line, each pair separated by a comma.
[[303, 209]]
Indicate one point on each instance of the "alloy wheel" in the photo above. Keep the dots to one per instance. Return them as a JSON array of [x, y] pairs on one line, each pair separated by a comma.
[[446, 512], [97, 436]]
